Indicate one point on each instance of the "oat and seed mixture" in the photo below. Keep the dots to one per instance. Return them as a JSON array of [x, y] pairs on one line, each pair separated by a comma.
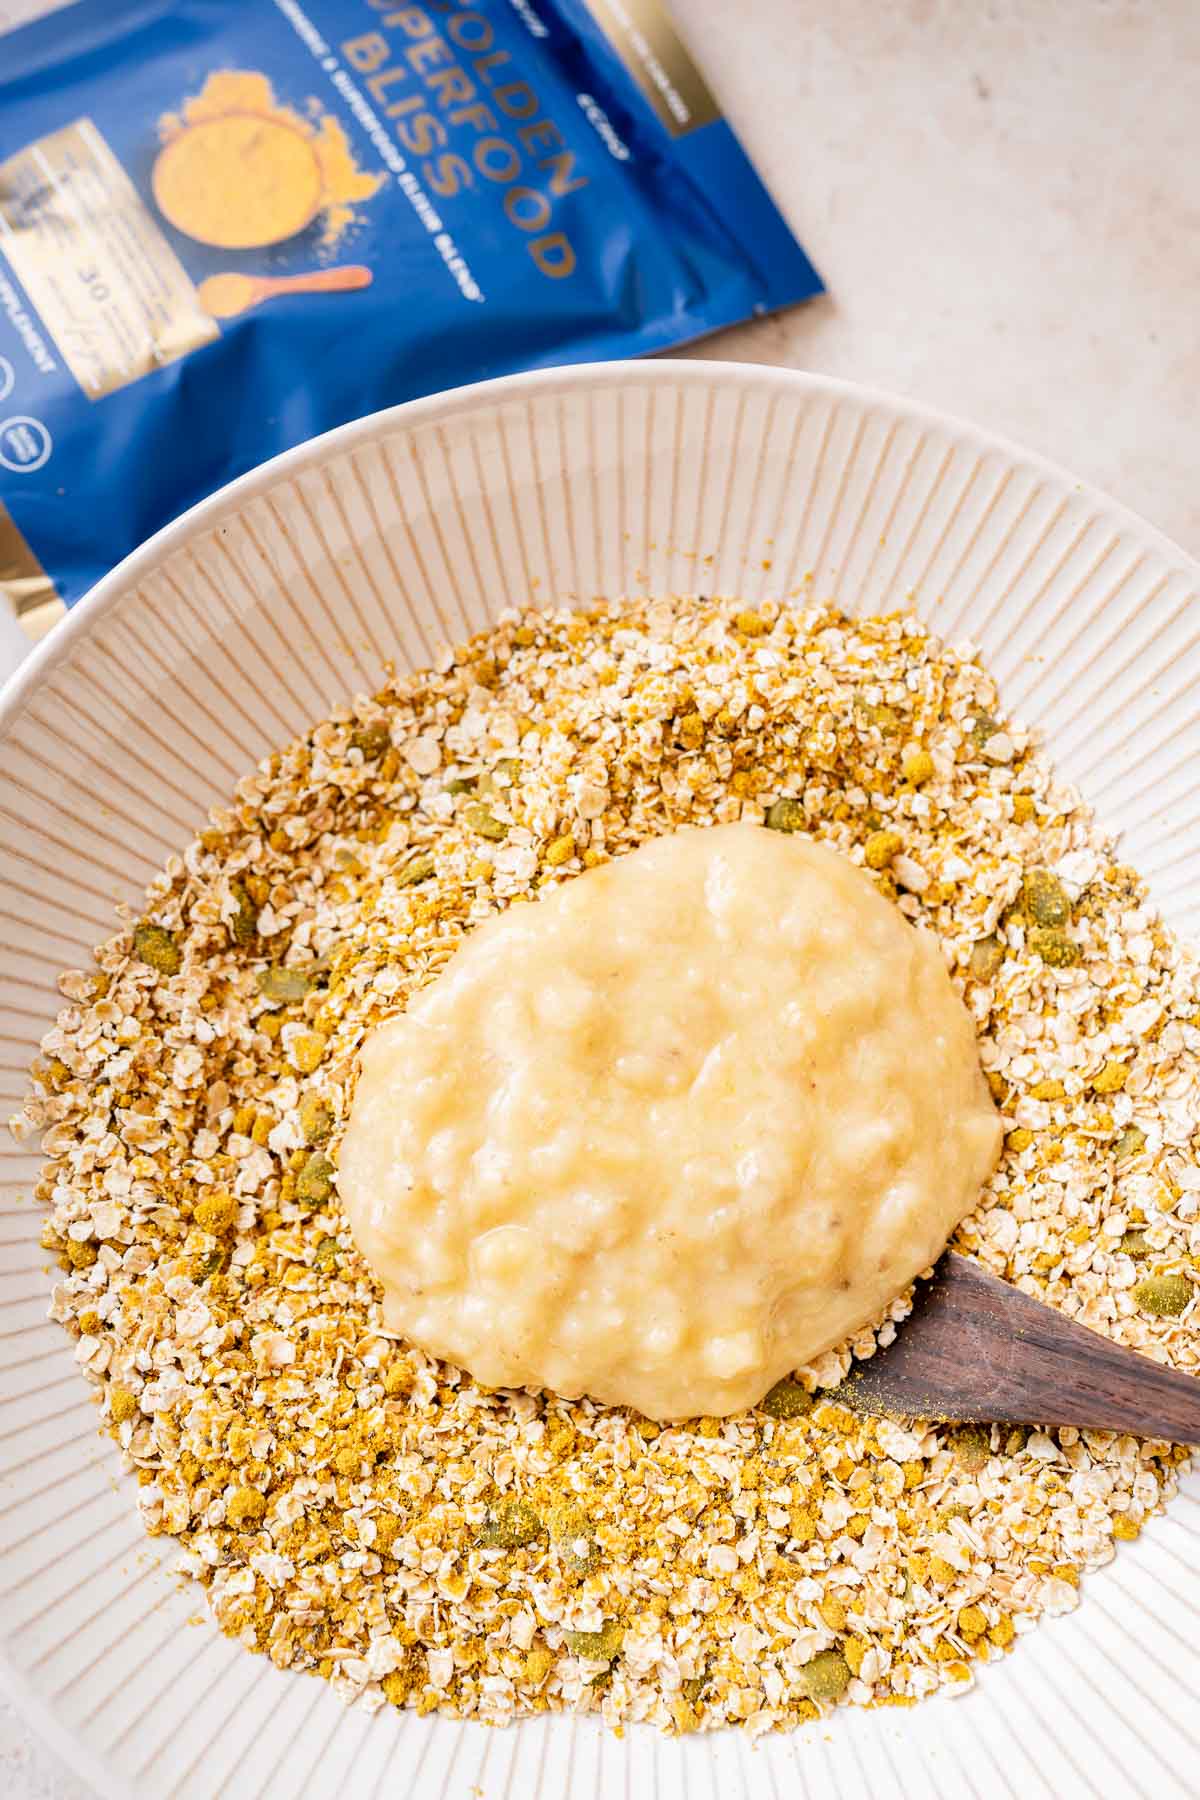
[[358, 1510]]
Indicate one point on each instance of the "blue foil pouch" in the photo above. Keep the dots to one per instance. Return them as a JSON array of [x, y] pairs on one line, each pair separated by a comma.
[[226, 225]]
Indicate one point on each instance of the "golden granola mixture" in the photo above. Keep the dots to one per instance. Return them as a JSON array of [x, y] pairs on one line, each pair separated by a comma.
[[361, 1511]]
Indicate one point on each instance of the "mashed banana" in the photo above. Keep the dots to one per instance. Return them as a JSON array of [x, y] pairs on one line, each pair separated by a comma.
[[671, 1131]]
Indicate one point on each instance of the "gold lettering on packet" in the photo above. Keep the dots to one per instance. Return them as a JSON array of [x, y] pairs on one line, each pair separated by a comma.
[[462, 103], [22, 576], [642, 34], [106, 285]]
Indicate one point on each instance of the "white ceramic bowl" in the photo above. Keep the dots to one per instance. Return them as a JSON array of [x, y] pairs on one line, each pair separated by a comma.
[[250, 617]]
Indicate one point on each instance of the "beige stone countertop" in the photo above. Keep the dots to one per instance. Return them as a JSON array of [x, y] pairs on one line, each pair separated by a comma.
[[1003, 197]]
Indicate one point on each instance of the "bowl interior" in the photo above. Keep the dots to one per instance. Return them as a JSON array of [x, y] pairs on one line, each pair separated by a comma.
[[249, 619]]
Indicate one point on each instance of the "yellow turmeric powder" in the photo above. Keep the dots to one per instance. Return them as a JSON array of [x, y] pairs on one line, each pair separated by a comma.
[[240, 171]]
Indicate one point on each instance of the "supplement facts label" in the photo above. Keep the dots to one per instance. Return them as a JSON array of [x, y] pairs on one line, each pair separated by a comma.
[[107, 286]]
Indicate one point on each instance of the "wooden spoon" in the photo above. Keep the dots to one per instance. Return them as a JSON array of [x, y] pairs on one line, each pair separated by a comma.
[[224, 296], [976, 1350]]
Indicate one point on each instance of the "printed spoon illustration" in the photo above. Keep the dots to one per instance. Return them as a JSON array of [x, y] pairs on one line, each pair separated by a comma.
[[225, 296], [977, 1350]]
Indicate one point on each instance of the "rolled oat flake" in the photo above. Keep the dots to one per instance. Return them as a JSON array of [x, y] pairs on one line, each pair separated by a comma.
[[488, 1552]]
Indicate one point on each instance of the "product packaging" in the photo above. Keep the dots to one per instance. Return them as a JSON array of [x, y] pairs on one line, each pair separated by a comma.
[[226, 225]]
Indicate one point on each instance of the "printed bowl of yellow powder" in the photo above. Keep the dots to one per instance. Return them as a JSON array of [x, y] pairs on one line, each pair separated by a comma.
[[239, 170], [403, 685]]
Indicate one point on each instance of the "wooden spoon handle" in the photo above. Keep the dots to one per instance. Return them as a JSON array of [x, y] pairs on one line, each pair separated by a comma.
[[318, 281], [976, 1349]]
